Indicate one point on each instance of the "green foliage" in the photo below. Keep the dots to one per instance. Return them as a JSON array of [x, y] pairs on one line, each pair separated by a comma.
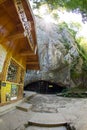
[[55, 3], [77, 92], [72, 32], [63, 25], [82, 76], [83, 44], [73, 72], [82, 51], [74, 4], [78, 6], [55, 16], [67, 46], [74, 27], [84, 66]]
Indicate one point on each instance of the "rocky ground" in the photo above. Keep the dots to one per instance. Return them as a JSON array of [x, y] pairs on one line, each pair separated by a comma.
[[74, 110], [45, 107]]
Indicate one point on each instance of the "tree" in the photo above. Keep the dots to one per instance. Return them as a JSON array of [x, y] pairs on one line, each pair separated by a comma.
[[78, 6]]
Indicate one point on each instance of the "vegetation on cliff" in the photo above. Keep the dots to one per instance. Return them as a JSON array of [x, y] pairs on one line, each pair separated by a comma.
[[78, 6], [68, 34]]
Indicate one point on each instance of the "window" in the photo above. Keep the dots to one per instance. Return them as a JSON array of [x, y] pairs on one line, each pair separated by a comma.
[[12, 72]]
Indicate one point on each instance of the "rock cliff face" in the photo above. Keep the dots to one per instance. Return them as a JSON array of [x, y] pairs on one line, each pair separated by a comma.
[[57, 51]]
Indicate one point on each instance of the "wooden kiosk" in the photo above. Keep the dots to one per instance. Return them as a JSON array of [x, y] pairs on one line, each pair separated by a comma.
[[18, 48]]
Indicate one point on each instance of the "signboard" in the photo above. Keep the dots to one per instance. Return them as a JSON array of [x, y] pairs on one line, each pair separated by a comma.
[[3, 92], [50, 86], [14, 91], [26, 24], [8, 92], [3, 54]]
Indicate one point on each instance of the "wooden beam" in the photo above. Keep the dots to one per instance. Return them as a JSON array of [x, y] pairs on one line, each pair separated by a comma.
[[32, 59], [9, 9], [15, 36], [33, 67], [35, 51], [2, 1], [26, 53], [32, 63], [23, 18]]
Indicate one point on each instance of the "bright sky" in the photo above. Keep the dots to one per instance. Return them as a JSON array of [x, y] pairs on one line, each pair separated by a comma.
[[73, 17], [68, 17], [83, 32]]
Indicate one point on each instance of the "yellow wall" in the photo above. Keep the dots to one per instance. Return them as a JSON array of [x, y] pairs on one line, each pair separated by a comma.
[[6, 85]]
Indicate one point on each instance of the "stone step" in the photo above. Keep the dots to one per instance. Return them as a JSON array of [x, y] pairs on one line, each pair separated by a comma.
[[28, 95], [46, 128], [9, 107], [24, 107], [47, 119], [47, 124]]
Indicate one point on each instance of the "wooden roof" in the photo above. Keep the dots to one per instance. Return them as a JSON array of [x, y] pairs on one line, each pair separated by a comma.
[[17, 30]]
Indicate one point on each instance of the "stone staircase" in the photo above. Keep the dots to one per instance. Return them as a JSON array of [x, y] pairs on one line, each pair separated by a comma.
[[24, 107]]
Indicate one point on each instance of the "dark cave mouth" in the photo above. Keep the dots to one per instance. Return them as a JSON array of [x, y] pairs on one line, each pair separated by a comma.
[[44, 87]]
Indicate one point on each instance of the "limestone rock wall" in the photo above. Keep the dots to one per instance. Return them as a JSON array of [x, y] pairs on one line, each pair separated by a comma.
[[57, 50]]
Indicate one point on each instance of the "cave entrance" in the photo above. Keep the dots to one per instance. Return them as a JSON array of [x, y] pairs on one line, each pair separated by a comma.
[[44, 87]]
